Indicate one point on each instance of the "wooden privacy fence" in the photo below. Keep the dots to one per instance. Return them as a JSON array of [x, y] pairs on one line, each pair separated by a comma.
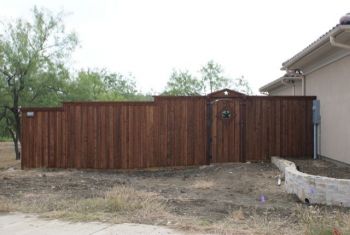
[[224, 126]]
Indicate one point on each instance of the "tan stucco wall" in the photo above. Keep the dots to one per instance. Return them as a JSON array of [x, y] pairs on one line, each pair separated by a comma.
[[331, 85]]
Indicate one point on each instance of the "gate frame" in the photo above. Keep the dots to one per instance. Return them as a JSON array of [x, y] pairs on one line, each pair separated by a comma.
[[225, 94]]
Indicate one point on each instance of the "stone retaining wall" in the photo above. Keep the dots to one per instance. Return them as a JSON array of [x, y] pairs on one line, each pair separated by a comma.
[[314, 189]]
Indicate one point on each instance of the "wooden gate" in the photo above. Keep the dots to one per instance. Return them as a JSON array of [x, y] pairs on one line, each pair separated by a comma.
[[225, 124], [225, 130]]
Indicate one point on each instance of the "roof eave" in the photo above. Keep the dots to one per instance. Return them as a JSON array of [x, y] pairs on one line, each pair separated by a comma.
[[314, 46], [272, 85], [282, 81]]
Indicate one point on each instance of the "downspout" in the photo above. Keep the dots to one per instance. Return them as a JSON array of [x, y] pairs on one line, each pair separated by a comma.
[[303, 85], [315, 141], [289, 82], [316, 118], [293, 88]]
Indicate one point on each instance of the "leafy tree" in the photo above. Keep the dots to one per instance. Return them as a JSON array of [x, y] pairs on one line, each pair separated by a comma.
[[32, 56], [148, 96], [214, 80], [120, 86], [47, 88], [183, 83], [87, 86], [212, 77], [3, 130], [242, 85], [96, 84]]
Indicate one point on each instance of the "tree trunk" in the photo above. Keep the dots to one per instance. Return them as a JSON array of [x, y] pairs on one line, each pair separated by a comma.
[[17, 134], [15, 140], [17, 150]]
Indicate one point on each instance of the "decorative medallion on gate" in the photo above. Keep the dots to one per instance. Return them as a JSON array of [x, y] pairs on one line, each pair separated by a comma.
[[226, 114]]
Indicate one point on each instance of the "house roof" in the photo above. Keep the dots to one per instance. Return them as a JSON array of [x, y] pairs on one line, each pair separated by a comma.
[[279, 82], [312, 52], [324, 39]]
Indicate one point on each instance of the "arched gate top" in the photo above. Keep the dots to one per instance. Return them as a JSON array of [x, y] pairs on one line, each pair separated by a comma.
[[226, 93]]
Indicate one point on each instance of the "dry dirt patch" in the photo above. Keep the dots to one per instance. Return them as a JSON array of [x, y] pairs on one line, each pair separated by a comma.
[[203, 184], [223, 199], [323, 168]]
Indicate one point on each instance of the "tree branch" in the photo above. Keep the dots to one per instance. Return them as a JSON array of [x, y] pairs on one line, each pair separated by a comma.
[[8, 75]]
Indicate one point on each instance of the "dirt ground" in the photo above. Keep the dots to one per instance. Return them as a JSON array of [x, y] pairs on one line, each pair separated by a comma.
[[232, 198], [323, 168], [7, 157]]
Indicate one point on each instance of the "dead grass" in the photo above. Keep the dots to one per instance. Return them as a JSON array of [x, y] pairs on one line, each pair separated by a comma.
[[324, 221], [239, 222], [203, 184], [304, 221], [4, 205], [237, 215], [7, 156], [126, 204], [120, 204]]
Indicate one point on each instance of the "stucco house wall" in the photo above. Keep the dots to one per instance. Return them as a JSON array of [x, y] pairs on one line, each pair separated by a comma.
[[288, 90], [331, 85], [324, 66]]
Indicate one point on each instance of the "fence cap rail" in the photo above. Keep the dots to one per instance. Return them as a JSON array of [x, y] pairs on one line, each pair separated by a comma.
[[156, 99], [280, 97], [108, 102], [179, 97], [40, 109]]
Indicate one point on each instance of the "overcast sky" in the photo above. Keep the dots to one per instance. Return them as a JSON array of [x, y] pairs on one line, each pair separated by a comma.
[[149, 38]]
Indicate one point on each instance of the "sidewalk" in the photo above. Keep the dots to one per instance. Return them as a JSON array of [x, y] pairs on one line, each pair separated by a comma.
[[16, 223]]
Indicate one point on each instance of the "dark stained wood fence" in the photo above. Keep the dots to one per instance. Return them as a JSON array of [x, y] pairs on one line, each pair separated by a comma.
[[278, 126], [171, 131]]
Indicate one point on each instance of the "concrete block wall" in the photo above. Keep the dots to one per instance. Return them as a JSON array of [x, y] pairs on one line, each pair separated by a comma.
[[313, 188]]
